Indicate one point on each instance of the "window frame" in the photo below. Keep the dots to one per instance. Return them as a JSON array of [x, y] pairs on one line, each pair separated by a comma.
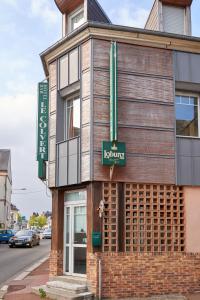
[[74, 14], [189, 94], [66, 100], [68, 70]]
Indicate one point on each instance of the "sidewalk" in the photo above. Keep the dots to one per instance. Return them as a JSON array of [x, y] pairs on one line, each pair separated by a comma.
[[21, 289]]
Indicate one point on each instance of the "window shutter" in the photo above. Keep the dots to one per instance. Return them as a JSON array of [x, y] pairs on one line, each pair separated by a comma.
[[173, 19]]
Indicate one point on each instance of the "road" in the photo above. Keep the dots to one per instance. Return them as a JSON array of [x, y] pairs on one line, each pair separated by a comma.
[[16, 260]]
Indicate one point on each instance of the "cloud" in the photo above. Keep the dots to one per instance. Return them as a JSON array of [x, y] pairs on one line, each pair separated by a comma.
[[129, 14], [12, 3], [44, 10]]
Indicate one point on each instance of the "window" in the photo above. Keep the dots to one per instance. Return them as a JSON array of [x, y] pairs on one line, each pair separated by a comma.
[[76, 19], [69, 68], [72, 118], [174, 19], [63, 71], [187, 115]]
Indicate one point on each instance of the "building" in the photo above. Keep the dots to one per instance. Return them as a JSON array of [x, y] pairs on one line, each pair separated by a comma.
[[5, 187], [14, 214], [125, 213]]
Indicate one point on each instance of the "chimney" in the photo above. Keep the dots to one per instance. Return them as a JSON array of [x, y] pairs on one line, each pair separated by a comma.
[[173, 16]]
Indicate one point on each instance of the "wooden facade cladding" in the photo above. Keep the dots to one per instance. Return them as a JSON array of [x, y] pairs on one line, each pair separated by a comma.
[[86, 94], [52, 123], [146, 112]]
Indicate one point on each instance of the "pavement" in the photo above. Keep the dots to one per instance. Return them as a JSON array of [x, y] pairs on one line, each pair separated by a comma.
[[20, 288]]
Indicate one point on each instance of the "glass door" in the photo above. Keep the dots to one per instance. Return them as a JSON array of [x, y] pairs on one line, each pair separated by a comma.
[[75, 240]]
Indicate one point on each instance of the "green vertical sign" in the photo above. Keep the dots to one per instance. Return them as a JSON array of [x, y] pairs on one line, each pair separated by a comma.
[[113, 92], [42, 138]]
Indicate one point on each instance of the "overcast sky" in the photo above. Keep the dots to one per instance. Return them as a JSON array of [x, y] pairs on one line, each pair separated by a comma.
[[27, 27]]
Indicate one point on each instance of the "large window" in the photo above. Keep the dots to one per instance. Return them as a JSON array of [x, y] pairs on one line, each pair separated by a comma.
[[187, 115], [69, 68], [72, 118]]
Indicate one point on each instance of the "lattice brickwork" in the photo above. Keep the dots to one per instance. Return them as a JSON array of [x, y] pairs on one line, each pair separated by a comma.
[[110, 218], [154, 218]]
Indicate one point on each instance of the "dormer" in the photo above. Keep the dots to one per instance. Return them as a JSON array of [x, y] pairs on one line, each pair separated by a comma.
[[173, 16], [77, 12]]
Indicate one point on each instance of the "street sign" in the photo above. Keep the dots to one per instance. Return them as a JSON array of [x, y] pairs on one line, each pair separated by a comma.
[[113, 153]]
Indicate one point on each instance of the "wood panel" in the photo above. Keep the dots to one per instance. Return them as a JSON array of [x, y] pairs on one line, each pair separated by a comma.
[[86, 55], [52, 149], [67, 6], [52, 75], [137, 59], [86, 84], [177, 2], [86, 111], [153, 22], [136, 114], [53, 98], [51, 174], [85, 167], [138, 140], [138, 87], [85, 139], [138, 169], [52, 125]]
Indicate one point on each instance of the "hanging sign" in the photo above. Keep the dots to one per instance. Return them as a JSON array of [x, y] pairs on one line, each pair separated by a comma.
[[113, 152], [42, 138]]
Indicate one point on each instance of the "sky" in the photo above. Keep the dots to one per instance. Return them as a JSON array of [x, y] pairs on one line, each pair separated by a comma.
[[27, 27]]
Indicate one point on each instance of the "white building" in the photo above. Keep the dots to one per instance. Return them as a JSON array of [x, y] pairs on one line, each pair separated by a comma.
[[5, 187]]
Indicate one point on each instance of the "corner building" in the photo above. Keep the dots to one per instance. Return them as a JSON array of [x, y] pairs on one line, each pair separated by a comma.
[[146, 241]]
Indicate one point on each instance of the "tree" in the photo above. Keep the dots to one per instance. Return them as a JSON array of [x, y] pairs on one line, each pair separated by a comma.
[[32, 221], [19, 218], [37, 221], [42, 221]]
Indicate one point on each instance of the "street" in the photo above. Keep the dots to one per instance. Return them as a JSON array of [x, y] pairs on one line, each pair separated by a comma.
[[16, 260]]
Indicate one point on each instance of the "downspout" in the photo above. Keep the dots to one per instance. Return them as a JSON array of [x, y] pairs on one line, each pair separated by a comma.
[[100, 279]]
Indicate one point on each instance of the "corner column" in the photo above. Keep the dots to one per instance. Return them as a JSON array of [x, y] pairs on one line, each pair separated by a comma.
[[56, 256]]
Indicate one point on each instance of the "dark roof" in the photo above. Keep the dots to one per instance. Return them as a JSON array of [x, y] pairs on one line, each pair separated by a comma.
[[13, 207], [4, 159]]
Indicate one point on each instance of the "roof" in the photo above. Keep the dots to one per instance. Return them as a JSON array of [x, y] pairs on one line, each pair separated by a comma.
[[4, 159]]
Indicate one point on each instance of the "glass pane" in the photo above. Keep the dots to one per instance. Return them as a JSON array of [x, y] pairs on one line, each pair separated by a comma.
[[80, 228], [76, 196], [77, 20], [178, 99], [73, 66], [80, 260], [76, 117], [72, 116], [185, 100], [186, 120], [63, 71], [67, 259], [67, 225]]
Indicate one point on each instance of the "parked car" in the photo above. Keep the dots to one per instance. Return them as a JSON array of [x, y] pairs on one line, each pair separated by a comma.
[[5, 235], [27, 238], [47, 233]]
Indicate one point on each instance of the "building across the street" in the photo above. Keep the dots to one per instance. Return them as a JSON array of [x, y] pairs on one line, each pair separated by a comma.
[[5, 187], [123, 150], [14, 216]]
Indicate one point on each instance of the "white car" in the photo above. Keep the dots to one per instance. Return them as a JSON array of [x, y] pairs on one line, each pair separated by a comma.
[[47, 234]]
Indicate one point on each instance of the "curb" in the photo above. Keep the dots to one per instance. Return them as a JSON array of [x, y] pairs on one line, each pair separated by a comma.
[[22, 275]]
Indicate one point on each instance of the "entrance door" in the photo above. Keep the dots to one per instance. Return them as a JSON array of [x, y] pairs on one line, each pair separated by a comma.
[[75, 239]]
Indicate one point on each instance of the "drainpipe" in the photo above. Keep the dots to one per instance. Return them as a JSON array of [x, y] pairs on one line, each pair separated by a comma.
[[100, 278]]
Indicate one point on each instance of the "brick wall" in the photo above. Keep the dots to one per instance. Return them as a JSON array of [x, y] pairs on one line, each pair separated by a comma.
[[56, 263], [141, 275]]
